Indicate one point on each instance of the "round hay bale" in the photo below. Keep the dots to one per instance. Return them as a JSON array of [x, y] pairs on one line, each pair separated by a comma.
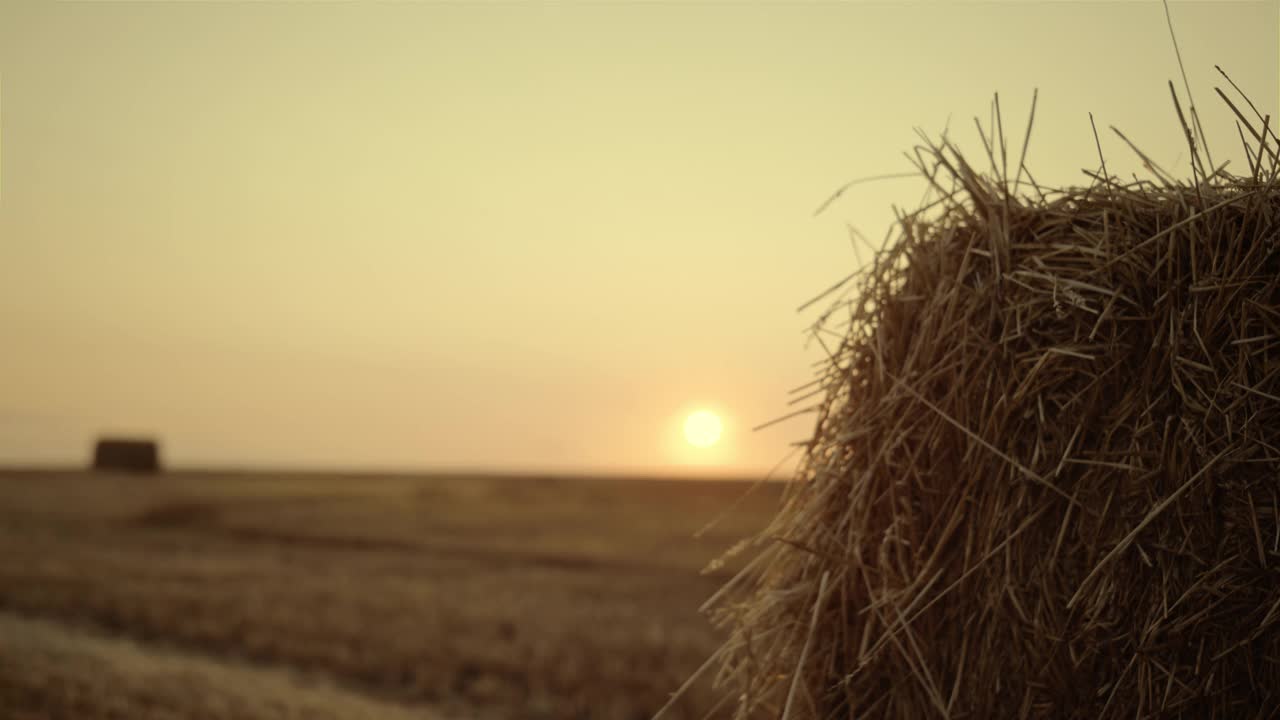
[[125, 454], [1045, 476]]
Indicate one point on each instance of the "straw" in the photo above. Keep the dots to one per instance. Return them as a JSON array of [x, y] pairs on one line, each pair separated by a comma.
[[1044, 479]]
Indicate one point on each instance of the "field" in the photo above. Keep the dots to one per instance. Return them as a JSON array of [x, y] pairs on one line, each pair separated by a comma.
[[265, 596]]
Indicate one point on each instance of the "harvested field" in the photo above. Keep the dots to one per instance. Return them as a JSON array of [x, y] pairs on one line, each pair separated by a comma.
[[199, 596]]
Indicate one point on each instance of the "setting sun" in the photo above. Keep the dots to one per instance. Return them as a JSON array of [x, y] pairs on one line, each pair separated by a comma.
[[702, 429]]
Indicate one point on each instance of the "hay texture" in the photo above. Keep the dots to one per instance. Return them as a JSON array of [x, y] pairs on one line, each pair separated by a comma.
[[1045, 471]]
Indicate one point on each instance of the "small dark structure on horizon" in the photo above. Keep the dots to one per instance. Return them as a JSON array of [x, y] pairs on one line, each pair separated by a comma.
[[130, 454]]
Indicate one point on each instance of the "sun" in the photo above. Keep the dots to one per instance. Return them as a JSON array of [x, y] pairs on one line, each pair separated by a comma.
[[702, 429]]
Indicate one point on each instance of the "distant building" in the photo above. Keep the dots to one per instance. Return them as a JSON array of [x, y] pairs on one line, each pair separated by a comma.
[[132, 455]]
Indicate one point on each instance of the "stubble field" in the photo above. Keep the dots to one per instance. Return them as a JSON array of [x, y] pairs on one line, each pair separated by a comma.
[[267, 596]]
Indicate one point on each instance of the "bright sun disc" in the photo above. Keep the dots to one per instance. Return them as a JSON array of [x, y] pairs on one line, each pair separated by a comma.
[[702, 429]]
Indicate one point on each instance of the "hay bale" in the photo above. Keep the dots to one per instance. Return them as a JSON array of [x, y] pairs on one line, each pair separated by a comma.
[[1045, 475], [131, 455]]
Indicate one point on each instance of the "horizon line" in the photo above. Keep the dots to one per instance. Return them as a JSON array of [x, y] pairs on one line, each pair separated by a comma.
[[656, 473]]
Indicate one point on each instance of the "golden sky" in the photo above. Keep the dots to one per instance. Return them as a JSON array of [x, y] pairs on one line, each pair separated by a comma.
[[519, 236]]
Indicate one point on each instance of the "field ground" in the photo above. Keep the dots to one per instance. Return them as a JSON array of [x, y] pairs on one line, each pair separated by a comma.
[[215, 596]]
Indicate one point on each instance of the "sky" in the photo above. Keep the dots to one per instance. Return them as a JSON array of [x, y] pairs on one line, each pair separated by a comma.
[[505, 236]]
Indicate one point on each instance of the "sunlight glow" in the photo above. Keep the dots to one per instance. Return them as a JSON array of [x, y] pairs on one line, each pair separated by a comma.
[[702, 429]]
